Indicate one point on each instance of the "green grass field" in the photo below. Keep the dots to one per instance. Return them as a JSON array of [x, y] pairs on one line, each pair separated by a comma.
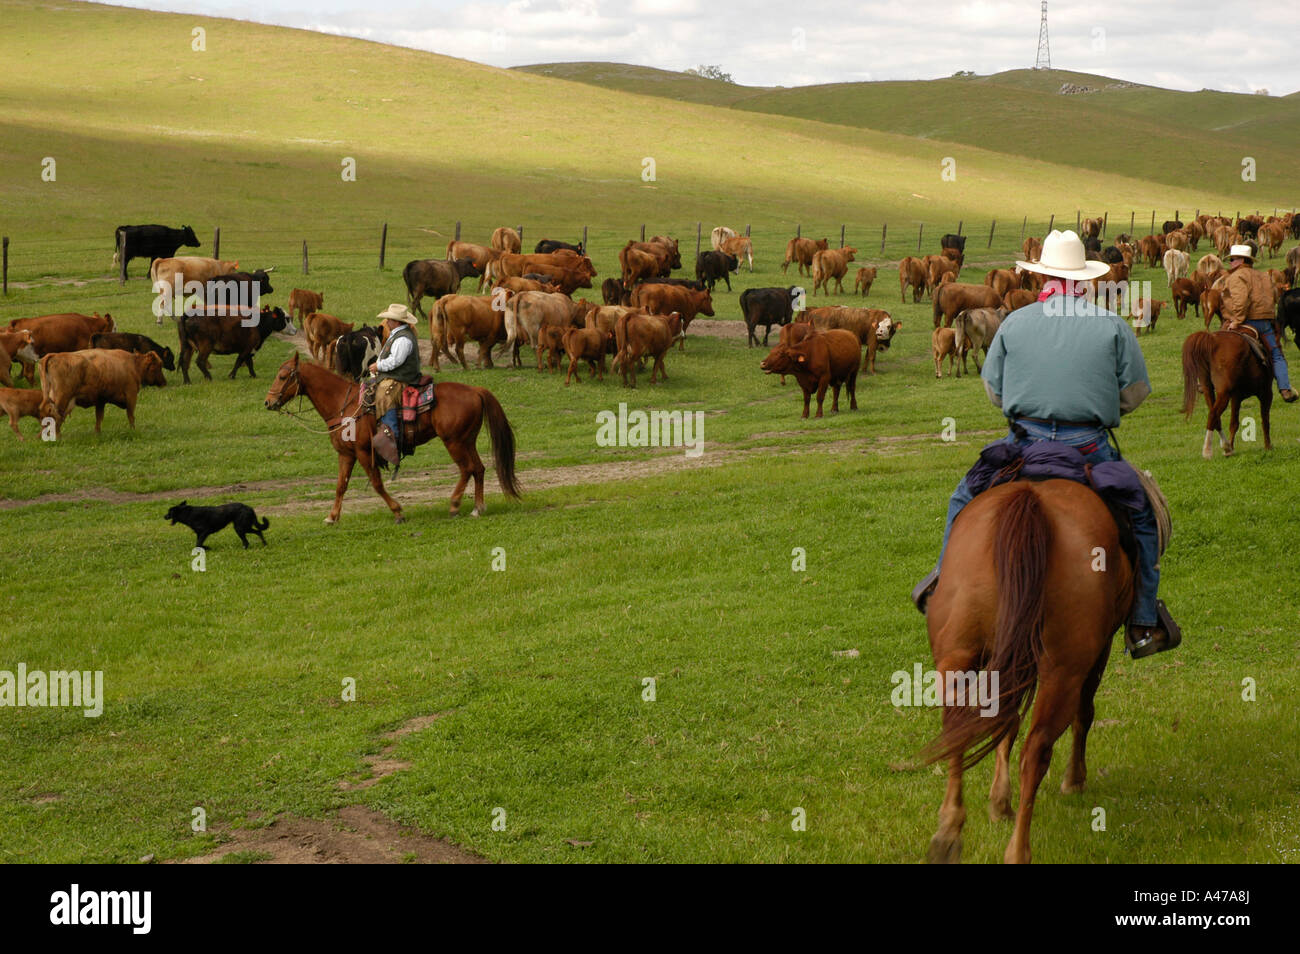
[[224, 688]]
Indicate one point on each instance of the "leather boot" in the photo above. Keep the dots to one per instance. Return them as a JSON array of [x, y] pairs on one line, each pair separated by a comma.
[[921, 592], [1142, 641], [384, 445]]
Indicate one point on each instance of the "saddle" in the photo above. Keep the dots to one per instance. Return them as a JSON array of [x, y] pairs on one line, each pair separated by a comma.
[[1257, 346]]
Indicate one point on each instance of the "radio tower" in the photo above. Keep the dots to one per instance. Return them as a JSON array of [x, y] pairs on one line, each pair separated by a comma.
[[1044, 61]]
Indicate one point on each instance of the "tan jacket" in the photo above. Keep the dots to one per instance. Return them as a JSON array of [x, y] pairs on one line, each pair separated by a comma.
[[1247, 296]]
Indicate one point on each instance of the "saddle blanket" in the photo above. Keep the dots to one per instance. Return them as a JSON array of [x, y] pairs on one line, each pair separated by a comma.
[[416, 400]]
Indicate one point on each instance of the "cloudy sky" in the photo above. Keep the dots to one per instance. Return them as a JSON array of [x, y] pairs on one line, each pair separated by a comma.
[[1181, 44]]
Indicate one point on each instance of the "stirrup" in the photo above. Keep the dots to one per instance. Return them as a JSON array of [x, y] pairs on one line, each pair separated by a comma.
[[1165, 635], [922, 591]]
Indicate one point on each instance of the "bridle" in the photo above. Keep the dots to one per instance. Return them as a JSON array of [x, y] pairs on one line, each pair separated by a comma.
[[297, 415]]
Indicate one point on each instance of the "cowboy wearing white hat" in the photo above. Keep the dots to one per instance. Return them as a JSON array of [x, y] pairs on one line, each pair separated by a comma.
[[1248, 300], [1063, 369], [398, 364]]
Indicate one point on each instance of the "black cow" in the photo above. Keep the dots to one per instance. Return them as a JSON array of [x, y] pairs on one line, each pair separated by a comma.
[[226, 334], [139, 344], [613, 292], [954, 241], [1170, 225], [354, 351], [1111, 255], [711, 266], [547, 246], [1288, 314], [151, 242], [433, 276], [1247, 228], [1092, 244], [767, 307]]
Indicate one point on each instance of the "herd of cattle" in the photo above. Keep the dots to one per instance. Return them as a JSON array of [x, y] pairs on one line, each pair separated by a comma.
[[529, 299]]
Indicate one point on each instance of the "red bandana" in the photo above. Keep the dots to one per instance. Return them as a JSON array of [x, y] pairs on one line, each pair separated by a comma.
[[1062, 286]]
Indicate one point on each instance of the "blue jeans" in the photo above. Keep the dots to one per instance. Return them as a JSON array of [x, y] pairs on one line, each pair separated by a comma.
[[1144, 522], [1266, 335], [390, 418]]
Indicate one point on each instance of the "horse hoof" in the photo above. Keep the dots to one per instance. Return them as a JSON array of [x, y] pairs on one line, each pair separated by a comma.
[[398, 518], [476, 512], [1001, 812], [1071, 788], [330, 521]]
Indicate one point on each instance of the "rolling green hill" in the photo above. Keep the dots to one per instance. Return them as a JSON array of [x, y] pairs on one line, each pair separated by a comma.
[[1160, 135]]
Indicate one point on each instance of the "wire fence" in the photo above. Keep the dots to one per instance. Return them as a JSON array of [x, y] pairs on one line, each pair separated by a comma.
[[44, 260]]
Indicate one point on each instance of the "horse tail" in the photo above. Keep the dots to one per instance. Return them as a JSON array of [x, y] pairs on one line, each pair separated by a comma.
[[1021, 541], [1196, 366], [503, 442], [935, 308]]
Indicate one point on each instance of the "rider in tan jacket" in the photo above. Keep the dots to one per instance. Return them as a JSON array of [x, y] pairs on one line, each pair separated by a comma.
[[1248, 299]]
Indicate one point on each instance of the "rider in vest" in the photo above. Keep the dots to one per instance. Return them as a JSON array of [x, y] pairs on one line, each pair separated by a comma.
[[1063, 369], [398, 365], [1248, 299]]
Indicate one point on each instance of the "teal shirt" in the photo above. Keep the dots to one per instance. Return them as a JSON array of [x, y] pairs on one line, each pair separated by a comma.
[[1082, 365]]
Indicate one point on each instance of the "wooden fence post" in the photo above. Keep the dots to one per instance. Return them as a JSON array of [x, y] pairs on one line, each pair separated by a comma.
[[884, 230], [643, 231], [798, 230], [121, 258], [699, 232], [991, 228], [584, 240], [746, 231], [1131, 217], [960, 223], [383, 244], [304, 256], [1023, 225], [841, 236], [1105, 223], [5, 267], [1050, 223], [1078, 220], [919, 232], [520, 230], [216, 242], [1153, 221]]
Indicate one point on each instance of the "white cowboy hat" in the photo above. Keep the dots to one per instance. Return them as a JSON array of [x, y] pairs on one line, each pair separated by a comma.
[[1063, 256], [398, 313], [1241, 251]]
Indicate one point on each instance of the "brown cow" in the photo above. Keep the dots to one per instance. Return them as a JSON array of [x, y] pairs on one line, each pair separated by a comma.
[[1292, 265], [22, 402], [911, 272], [506, 239], [15, 346], [321, 329], [741, 247], [527, 312], [67, 331], [166, 273], [516, 285], [1271, 236], [873, 327], [792, 334], [303, 302], [96, 379], [831, 263], [801, 251], [638, 265], [866, 277], [1002, 281], [825, 359], [649, 335], [1151, 250], [666, 299], [480, 255], [953, 297], [1212, 305], [1032, 249], [1091, 228], [973, 331]]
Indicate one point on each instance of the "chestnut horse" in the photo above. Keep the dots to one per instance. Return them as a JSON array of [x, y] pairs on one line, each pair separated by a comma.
[[457, 417], [1222, 366], [1040, 617]]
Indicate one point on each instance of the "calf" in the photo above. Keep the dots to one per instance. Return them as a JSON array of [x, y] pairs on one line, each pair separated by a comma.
[[138, 344], [15, 346], [1185, 292], [96, 379], [767, 307], [1212, 305], [1018, 298], [587, 344], [825, 359], [613, 291], [866, 277], [911, 272], [321, 329], [943, 345], [831, 263], [710, 267], [303, 302], [22, 402]]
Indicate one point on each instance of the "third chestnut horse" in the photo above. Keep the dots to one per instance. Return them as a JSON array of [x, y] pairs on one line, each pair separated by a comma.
[[1222, 366]]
